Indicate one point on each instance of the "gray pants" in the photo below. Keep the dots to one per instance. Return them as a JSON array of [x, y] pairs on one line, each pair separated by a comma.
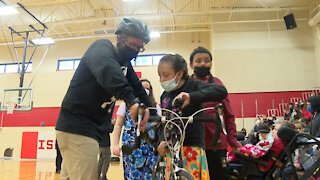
[[104, 161]]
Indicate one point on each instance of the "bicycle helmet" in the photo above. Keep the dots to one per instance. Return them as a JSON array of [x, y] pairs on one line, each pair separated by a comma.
[[134, 27]]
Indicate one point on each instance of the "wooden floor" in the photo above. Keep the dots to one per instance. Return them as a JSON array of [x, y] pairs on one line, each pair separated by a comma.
[[43, 170]]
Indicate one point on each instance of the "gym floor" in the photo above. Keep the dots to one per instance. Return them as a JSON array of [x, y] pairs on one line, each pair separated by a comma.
[[42, 170]]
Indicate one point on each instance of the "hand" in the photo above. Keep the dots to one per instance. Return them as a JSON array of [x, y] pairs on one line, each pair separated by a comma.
[[133, 114], [162, 149], [134, 111], [143, 123], [297, 165], [116, 150], [186, 99]]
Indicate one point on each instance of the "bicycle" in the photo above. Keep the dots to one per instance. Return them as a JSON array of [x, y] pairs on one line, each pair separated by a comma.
[[174, 134]]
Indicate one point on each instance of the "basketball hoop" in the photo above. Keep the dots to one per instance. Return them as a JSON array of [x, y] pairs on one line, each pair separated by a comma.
[[10, 107]]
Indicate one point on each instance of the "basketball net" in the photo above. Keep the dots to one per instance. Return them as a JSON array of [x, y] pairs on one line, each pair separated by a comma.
[[10, 107]]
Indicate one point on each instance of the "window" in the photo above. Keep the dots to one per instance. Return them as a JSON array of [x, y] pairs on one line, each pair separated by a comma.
[[142, 60], [147, 60], [2, 68], [11, 68], [14, 67], [67, 64], [29, 67]]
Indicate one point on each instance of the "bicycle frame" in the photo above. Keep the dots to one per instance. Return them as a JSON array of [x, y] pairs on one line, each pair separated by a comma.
[[176, 128]]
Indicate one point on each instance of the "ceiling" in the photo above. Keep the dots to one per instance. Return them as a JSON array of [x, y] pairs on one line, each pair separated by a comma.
[[71, 19]]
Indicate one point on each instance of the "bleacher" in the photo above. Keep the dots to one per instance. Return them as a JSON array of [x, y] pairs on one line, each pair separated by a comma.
[[304, 96]]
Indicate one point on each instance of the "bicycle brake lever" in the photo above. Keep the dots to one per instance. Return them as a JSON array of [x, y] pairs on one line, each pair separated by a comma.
[[141, 110], [177, 103]]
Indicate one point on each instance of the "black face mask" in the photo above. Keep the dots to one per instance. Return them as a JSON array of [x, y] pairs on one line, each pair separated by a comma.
[[127, 53], [201, 71]]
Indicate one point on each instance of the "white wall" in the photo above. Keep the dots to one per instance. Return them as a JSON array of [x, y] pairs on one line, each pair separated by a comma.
[[316, 40], [265, 61]]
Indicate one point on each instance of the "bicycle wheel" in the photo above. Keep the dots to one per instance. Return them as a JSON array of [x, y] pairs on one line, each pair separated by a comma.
[[182, 174]]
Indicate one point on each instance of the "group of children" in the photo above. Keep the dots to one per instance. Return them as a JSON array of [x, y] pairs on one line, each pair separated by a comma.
[[174, 79], [303, 157]]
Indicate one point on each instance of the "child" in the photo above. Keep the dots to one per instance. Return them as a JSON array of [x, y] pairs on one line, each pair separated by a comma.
[[139, 164], [174, 79], [262, 147]]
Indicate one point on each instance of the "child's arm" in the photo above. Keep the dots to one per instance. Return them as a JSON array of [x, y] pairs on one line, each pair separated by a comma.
[[207, 92], [117, 129]]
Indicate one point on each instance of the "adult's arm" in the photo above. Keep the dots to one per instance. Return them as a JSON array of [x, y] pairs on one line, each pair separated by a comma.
[[102, 62]]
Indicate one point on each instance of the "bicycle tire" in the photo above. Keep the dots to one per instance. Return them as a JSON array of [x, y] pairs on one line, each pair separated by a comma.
[[184, 175]]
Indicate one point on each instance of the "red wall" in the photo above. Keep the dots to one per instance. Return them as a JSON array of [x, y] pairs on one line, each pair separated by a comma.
[[49, 115], [264, 101]]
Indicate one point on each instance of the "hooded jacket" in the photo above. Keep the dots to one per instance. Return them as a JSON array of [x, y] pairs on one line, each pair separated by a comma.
[[229, 120], [101, 77], [315, 121]]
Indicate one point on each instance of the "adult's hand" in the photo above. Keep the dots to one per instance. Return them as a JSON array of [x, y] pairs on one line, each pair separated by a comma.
[[134, 114]]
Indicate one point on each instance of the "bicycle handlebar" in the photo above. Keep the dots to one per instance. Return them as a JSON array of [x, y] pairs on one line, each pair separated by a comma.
[[192, 119]]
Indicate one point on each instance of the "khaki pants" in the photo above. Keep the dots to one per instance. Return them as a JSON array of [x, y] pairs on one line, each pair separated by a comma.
[[80, 156]]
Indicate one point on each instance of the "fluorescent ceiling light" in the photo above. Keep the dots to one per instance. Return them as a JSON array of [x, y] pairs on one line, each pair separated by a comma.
[[43, 41], [7, 10], [155, 34], [129, 0]]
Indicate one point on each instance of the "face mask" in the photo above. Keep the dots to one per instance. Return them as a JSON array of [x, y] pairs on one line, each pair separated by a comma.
[[127, 53], [147, 91], [309, 108], [170, 84], [201, 71]]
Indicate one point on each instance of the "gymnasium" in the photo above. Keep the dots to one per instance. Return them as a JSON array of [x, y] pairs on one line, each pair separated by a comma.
[[266, 53]]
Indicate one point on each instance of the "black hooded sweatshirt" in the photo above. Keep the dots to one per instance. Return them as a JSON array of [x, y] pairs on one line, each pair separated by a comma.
[[101, 77]]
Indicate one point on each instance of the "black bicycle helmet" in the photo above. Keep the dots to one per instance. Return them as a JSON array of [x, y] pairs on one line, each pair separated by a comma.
[[134, 27]]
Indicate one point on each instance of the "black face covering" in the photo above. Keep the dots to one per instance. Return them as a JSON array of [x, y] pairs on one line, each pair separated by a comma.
[[127, 53], [201, 71]]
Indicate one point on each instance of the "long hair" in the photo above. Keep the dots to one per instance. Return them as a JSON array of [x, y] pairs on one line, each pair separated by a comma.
[[151, 96]]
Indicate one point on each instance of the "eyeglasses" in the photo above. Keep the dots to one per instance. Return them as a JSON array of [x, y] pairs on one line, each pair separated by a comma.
[[134, 46]]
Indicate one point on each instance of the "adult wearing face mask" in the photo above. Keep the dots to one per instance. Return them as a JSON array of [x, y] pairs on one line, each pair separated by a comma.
[[201, 63], [314, 107], [103, 75]]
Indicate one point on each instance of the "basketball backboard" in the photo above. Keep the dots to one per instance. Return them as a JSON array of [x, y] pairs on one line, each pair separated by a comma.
[[19, 98]]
